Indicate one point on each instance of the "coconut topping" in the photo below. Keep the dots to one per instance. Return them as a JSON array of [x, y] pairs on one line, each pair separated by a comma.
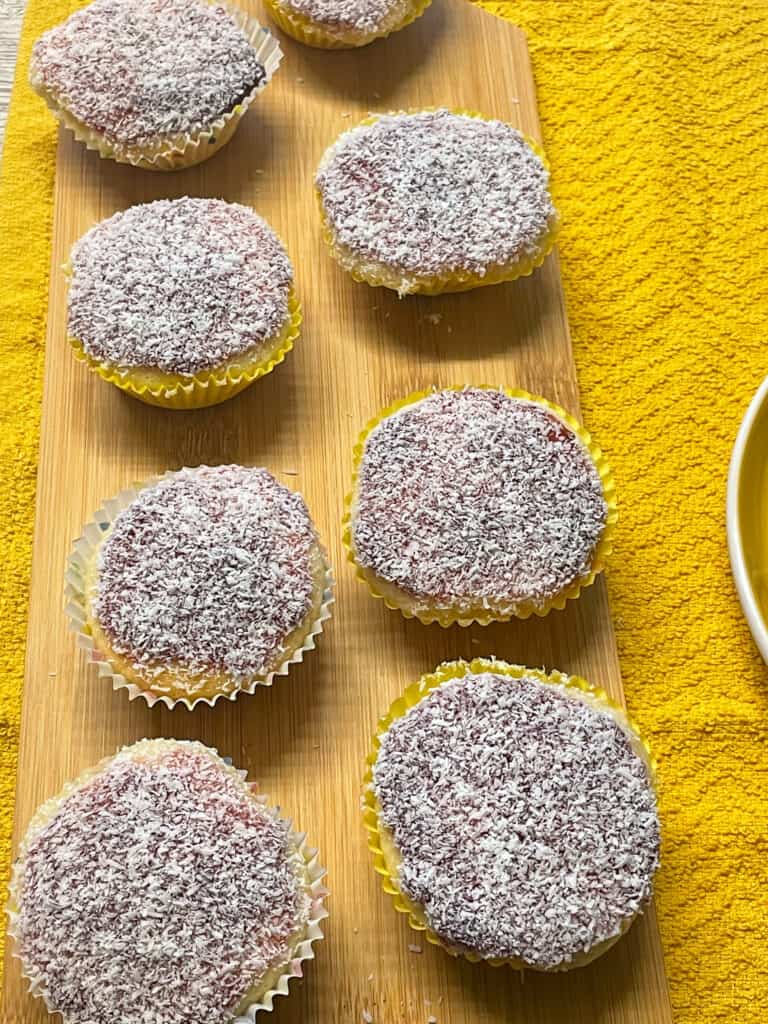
[[436, 192], [475, 499], [160, 891], [526, 822], [209, 570], [133, 70], [364, 16], [181, 285]]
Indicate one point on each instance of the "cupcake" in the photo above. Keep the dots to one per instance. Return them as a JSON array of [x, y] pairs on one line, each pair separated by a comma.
[[435, 201], [182, 303], [159, 887], [477, 504], [160, 84], [513, 815], [339, 24], [203, 584]]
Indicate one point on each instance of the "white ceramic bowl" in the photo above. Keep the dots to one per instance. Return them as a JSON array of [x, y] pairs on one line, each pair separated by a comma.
[[747, 516]]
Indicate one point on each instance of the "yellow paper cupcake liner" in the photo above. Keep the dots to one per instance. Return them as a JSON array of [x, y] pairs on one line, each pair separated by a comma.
[[379, 839], [398, 600], [209, 387], [311, 33], [381, 275], [306, 858], [185, 149], [77, 578]]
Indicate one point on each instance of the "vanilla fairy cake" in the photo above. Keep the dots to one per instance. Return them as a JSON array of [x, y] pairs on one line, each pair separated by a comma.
[[182, 302], [161, 84], [202, 584], [435, 201], [514, 814], [158, 887], [343, 24], [474, 504]]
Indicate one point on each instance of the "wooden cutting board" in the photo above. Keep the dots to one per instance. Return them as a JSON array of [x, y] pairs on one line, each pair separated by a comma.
[[306, 738]]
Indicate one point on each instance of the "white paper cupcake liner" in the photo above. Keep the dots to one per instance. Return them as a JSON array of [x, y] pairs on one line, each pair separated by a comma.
[[306, 856], [85, 550], [207, 387], [185, 149], [313, 931]]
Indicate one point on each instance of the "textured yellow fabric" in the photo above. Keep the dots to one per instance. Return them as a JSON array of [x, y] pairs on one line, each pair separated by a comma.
[[26, 208], [655, 114]]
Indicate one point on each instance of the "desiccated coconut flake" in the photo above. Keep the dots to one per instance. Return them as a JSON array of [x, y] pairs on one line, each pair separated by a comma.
[[359, 16], [525, 821], [182, 285], [136, 70], [159, 891], [436, 192], [209, 569], [471, 497]]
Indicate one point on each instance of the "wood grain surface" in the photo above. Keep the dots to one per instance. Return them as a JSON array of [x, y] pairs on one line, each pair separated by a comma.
[[305, 739]]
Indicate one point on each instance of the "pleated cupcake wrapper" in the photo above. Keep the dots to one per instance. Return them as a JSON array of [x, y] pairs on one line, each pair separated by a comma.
[[414, 694], [185, 149], [313, 931], [81, 558], [400, 601], [314, 874], [205, 389], [381, 275], [306, 31]]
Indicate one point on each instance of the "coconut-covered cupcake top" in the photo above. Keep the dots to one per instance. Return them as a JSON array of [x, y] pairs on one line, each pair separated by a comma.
[[525, 819], [156, 890], [136, 70], [362, 16], [178, 285], [435, 192], [473, 499], [208, 571]]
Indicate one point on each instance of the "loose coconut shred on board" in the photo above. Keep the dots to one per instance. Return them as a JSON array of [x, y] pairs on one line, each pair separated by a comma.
[[526, 823], [180, 285], [133, 70], [210, 569], [476, 498], [160, 892], [436, 192]]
